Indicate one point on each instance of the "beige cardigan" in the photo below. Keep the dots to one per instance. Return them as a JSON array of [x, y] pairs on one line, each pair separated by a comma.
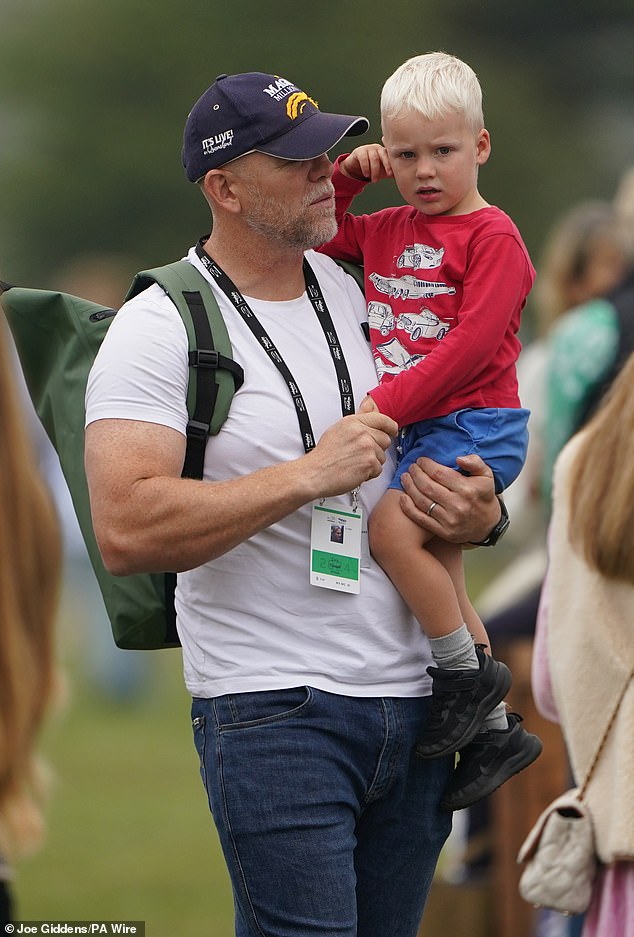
[[591, 653]]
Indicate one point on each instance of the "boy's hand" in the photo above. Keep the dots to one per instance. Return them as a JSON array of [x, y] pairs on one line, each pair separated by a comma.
[[368, 163], [368, 405]]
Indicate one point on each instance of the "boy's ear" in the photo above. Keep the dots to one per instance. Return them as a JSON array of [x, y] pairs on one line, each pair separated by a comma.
[[483, 147]]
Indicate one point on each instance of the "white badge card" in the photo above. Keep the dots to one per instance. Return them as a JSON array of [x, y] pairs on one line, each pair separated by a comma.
[[335, 548]]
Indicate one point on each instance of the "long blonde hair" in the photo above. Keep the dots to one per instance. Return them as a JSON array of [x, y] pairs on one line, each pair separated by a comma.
[[601, 523], [29, 582]]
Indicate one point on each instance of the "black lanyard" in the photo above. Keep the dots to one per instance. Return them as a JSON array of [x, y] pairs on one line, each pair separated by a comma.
[[313, 290]]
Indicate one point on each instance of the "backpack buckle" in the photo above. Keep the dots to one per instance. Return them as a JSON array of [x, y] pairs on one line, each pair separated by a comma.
[[197, 430], [202, 358]]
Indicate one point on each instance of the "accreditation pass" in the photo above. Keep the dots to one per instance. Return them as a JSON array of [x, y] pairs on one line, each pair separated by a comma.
[[335, 547]]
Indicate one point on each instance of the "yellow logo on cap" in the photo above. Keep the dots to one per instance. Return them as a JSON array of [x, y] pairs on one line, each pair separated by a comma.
[[296, 104]]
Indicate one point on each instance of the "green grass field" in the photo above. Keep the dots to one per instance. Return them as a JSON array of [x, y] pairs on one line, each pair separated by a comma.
[[130, 836]]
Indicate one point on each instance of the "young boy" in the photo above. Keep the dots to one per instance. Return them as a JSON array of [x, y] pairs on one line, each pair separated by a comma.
[[447, 276]]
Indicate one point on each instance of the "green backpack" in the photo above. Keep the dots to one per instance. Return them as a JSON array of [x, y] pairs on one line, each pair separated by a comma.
[[57, 337]]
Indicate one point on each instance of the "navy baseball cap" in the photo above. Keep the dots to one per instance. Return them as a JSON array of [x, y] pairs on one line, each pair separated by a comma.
[[254, 111]]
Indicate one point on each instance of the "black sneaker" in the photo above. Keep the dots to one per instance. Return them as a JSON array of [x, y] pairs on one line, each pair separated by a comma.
[[461, 701], [493, 757]]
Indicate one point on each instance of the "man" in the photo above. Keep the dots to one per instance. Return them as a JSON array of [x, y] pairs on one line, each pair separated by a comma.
[[309, 684]]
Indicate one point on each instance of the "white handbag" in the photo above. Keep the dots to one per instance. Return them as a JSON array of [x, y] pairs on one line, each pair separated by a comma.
[[559, 851], [560, 856]]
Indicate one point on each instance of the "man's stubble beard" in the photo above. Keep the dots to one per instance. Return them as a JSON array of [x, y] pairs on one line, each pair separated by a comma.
[[296, 230]]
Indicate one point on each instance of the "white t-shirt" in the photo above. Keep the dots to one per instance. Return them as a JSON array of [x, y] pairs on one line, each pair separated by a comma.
[[251, 620]]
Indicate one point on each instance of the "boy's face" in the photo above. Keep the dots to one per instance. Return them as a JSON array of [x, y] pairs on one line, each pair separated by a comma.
[[435, 162]]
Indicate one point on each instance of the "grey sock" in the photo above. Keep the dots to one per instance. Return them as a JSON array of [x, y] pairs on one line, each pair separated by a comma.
[[497, 718], [455, 651]]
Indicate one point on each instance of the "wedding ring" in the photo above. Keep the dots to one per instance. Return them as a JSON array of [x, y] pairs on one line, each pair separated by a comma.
[[431, 507]]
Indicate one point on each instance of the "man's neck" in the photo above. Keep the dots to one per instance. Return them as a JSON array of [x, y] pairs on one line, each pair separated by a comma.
[[258, 267]]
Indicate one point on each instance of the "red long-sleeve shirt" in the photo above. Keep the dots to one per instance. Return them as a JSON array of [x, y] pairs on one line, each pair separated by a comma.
[[454, 285]]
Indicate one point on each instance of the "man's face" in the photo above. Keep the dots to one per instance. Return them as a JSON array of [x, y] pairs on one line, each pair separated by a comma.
[[435, 162], [288, 201]]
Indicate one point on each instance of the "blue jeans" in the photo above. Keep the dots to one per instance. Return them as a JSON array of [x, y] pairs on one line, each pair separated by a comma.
[[328, 822]]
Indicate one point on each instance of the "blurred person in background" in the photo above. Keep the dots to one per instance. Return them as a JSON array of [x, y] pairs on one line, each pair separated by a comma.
[[29, 584], [589, 346], [584, 652], [583, 257], [586, 348]]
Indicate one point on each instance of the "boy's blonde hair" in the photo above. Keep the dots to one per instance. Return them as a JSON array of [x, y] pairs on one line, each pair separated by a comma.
[[434, 85]]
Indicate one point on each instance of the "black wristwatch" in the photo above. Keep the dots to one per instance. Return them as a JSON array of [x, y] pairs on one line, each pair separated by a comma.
[[498, 531]]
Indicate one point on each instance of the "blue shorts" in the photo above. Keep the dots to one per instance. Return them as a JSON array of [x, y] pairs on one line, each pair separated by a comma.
[[498, 435]]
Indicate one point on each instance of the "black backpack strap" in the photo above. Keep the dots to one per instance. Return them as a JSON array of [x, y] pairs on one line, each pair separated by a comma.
[[203, 356], [214, 375]]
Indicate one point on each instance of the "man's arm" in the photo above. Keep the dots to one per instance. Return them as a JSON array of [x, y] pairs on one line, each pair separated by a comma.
[[148, 519], [466, 507]]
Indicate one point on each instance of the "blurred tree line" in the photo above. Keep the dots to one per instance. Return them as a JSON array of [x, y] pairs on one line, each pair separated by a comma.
[[93, 98]]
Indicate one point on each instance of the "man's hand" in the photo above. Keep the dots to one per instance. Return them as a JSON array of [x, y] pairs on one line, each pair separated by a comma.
[[368, 163], [350, 452], [148, 518], [464, 508]]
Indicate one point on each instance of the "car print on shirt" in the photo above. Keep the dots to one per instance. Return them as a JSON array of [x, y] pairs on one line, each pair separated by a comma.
[[424, 324], [394, 352], [381, 318], [421, 257], [409, 287]]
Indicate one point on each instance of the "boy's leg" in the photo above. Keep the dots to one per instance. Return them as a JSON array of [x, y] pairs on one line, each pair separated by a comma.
[[467, 686], [502, 747], [450, 555], [399, 546]]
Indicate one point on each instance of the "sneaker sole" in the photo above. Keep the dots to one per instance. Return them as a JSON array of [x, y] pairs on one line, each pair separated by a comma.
[[486, 784], [500, 688]]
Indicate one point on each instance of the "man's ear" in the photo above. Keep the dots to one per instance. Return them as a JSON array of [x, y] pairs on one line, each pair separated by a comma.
[[219, 189]]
